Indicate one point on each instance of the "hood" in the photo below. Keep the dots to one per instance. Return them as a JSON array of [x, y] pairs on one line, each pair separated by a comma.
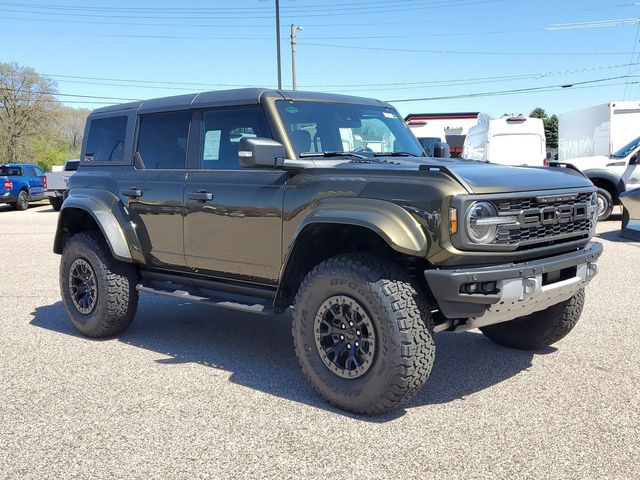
[[483, 177], [596, 161]]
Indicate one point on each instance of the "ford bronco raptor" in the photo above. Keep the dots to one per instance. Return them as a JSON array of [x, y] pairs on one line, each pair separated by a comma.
[[262, 200]]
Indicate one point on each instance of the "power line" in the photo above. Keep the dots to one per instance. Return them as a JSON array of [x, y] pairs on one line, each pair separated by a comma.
[[222, 15], [576, 85], [128, 82], [635, 46], [460, 52]]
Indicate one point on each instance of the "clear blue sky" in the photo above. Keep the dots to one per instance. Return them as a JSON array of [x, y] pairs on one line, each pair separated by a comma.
[[381, 48]]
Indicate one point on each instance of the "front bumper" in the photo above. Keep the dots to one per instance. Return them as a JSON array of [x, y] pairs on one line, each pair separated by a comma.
[[8, 197], [521, 288]]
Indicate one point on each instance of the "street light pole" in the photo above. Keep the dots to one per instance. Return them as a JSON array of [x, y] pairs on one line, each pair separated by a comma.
[[278, 44], [294, 31]]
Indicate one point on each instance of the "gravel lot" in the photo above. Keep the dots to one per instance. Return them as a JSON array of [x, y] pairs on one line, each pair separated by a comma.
[[190, 392]]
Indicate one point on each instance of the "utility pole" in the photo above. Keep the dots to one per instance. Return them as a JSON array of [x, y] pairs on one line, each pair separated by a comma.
[[278, 44], [294, 31]]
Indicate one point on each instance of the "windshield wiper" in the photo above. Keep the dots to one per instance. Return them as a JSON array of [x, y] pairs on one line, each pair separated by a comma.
[[331, 154], [395, 154]]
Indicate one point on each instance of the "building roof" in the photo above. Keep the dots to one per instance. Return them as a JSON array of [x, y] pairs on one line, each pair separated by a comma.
[[441, 116]]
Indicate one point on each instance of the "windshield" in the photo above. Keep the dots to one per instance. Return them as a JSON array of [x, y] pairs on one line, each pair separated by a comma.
[[315, 127], [627, 149]]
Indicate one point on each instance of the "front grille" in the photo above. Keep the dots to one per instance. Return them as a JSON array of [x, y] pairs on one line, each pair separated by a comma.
[[535, 233]]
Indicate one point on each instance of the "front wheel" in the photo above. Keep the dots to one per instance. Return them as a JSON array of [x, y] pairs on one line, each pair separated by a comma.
[[540, 329], [605, 204], [363, 333], [98, 292]]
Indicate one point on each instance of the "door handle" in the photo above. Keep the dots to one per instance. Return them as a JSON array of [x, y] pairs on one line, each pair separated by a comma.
[[201, 196], [132, 192]]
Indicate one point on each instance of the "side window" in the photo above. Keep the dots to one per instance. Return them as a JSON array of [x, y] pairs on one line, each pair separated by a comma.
[[105, 142], [222, 131], [29, 172], [163, 138], [39, 172]]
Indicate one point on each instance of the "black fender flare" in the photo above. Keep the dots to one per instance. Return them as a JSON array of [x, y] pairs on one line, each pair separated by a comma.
[[609, 176], [393, 223], [111, 217]]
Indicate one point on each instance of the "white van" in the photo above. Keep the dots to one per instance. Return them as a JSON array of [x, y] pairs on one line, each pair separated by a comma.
[[517, 141], [427, 133]]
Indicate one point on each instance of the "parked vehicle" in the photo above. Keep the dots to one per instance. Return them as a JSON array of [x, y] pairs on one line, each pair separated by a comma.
[[631, 214], [517, 141], [599, 130], [57, 183], [21, 183], [612, 174], [455, 125], [375, 251], [428, 134]]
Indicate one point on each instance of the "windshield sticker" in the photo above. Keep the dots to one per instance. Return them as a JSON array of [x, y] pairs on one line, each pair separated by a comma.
[[389, 115], [291, 109]]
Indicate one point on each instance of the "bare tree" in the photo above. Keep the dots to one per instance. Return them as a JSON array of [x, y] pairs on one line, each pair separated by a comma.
[[26, 106], [71, 123]]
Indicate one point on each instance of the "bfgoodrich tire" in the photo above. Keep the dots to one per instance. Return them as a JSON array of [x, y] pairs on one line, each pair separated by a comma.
[[539, 329], [363, 333], [99, 292]]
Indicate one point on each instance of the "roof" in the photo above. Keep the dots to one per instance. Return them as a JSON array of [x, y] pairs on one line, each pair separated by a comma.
[[18, 165], [240, 96], [441, 116]]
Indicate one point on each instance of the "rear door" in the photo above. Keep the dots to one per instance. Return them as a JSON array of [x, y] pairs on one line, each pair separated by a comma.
[[153, 189], [233, 223]]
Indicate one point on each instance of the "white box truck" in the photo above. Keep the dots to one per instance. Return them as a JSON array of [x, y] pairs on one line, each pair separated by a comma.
[[603, 142], [598, 130]]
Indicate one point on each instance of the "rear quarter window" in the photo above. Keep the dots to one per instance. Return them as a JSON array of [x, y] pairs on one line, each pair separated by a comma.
[[105, 140], [10, 171]]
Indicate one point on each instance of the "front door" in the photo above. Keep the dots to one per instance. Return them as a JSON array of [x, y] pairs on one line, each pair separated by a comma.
[[233, 223], [152, 191]]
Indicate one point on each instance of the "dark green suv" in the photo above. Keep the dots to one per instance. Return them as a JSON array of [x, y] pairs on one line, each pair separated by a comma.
[[261, 200]]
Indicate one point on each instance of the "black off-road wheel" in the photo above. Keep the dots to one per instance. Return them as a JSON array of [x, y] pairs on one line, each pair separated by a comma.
[[56, 203], [99, 292], [23, 201], [363, 333], [605, 204], [539, 329]]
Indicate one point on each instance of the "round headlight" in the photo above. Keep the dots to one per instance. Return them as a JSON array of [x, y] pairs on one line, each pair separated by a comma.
[[477, 230]]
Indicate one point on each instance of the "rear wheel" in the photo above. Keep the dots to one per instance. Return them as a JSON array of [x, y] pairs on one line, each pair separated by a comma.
[[23, 201], [539, 329], [363, 333], [605, 204], [99, 292], [56, 203], [625, 217]]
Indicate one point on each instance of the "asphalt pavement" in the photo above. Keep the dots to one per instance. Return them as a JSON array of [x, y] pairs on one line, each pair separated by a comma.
[[190, 392]]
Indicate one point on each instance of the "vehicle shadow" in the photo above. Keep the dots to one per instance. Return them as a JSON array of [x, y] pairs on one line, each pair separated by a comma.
[[258, 351], [616, 236]]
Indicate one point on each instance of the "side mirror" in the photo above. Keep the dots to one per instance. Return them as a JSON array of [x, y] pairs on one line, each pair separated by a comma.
[[441, 150], [634, 159], [260, 152]]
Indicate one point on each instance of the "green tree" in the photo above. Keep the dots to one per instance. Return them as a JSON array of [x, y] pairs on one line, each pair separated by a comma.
[[550, 126]]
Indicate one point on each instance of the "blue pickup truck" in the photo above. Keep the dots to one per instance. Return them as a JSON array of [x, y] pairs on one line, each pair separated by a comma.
[[21, 183]]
